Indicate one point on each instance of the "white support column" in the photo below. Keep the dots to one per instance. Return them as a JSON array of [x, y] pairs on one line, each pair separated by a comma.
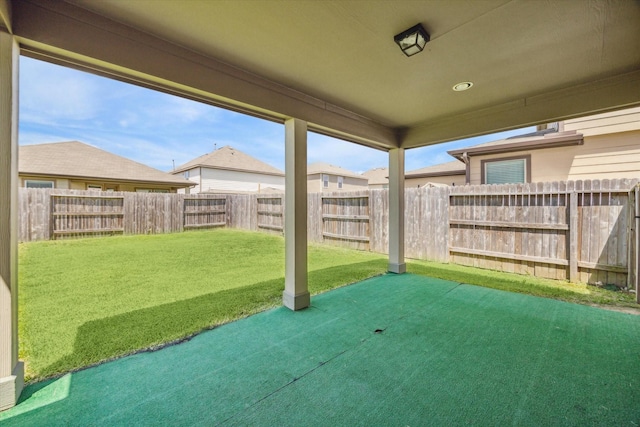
[[11, 369], [396, 211], [296, 294]]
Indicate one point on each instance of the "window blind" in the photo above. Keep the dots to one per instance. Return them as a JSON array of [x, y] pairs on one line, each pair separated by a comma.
[[505, 172]]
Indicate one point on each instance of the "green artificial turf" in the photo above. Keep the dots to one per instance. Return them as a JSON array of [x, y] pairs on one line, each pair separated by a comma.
[[401, 350], [85, 301]]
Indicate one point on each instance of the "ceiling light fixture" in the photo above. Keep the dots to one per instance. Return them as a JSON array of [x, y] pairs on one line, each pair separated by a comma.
[[462, 86], [413, 40]]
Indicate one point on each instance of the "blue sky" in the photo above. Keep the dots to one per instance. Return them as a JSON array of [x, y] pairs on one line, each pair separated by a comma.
[[62, 104]]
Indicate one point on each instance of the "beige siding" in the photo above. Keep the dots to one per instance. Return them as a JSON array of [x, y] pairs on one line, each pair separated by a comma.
[[446, 180], [601, 157], [606, 123], [237, 181], [315, 184], [75, 184], [378, 186]]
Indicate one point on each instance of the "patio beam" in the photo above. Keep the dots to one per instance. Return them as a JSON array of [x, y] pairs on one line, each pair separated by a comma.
[[11, 369], [5, 14], [396, 211], [609, 94], [69, 35], [296, 293]]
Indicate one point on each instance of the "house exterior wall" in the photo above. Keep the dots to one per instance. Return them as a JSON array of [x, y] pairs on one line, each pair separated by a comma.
[[223, 180], [446, 180], [78, 184], [606, 123], [602, 156], [378, 186], [315, 183], [194, 176]]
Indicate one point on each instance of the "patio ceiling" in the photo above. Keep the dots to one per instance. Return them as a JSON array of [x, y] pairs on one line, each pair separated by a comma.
[[335, 64]]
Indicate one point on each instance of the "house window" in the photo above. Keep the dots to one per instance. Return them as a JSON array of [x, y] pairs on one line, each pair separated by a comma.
[[32, 183], [325, 181], [340, 181], [512, 170], [186, 174]]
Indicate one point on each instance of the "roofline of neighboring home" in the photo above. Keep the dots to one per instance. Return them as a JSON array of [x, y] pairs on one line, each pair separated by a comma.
[[548, 141], [201, 165], [109, 179], [434, 174]]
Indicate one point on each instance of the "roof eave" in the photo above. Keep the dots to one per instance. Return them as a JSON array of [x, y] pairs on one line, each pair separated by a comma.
[[200, 165], [435, 174], [540, 143]]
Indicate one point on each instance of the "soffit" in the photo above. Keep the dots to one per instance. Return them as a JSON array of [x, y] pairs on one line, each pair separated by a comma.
[[517, 53]]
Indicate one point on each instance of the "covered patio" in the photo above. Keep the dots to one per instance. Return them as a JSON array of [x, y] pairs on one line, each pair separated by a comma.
[[391, 350], [330, 67]]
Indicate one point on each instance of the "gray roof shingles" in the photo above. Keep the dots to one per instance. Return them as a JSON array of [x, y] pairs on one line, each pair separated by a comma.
[[229, 158], [77, 159]]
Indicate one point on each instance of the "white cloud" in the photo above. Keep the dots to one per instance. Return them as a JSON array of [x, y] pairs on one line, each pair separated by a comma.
[[49, 93], [60, 104]]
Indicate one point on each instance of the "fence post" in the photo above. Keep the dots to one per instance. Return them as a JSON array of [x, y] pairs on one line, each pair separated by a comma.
[[573, 236], [636, 245]]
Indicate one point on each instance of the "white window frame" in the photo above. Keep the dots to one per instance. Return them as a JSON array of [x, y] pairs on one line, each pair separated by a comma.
[[325, 180], [39, 183], [340, 182]]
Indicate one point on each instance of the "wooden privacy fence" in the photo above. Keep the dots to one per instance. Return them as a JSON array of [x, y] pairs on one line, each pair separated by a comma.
[[270, 213], [581, 231], [53, 214], [82, 215], [345, 219], [199, 212]]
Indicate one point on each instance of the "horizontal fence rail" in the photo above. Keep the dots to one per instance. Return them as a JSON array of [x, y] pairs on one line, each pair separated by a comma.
[[583, 231]]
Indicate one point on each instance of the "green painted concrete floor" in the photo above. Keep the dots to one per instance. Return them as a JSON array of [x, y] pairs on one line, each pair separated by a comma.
[[389, 351]]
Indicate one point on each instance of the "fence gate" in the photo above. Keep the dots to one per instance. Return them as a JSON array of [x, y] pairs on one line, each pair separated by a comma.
[[200, 212], [345, 220], [77, 215], [270, 214]]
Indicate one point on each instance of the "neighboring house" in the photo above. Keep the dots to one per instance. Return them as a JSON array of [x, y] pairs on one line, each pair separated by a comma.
[[378, 178], [78, 166], [325, 177], [602, 146], [450, 173], [227, 170]]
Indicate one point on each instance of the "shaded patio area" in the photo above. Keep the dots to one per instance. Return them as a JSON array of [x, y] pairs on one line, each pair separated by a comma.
[[392, 350]]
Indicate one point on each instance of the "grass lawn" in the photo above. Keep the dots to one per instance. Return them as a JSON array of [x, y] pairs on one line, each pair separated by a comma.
[[580, 293], [89, 300], [85, 301]]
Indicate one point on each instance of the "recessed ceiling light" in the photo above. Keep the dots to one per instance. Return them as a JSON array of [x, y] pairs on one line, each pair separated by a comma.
[[462, 86]]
